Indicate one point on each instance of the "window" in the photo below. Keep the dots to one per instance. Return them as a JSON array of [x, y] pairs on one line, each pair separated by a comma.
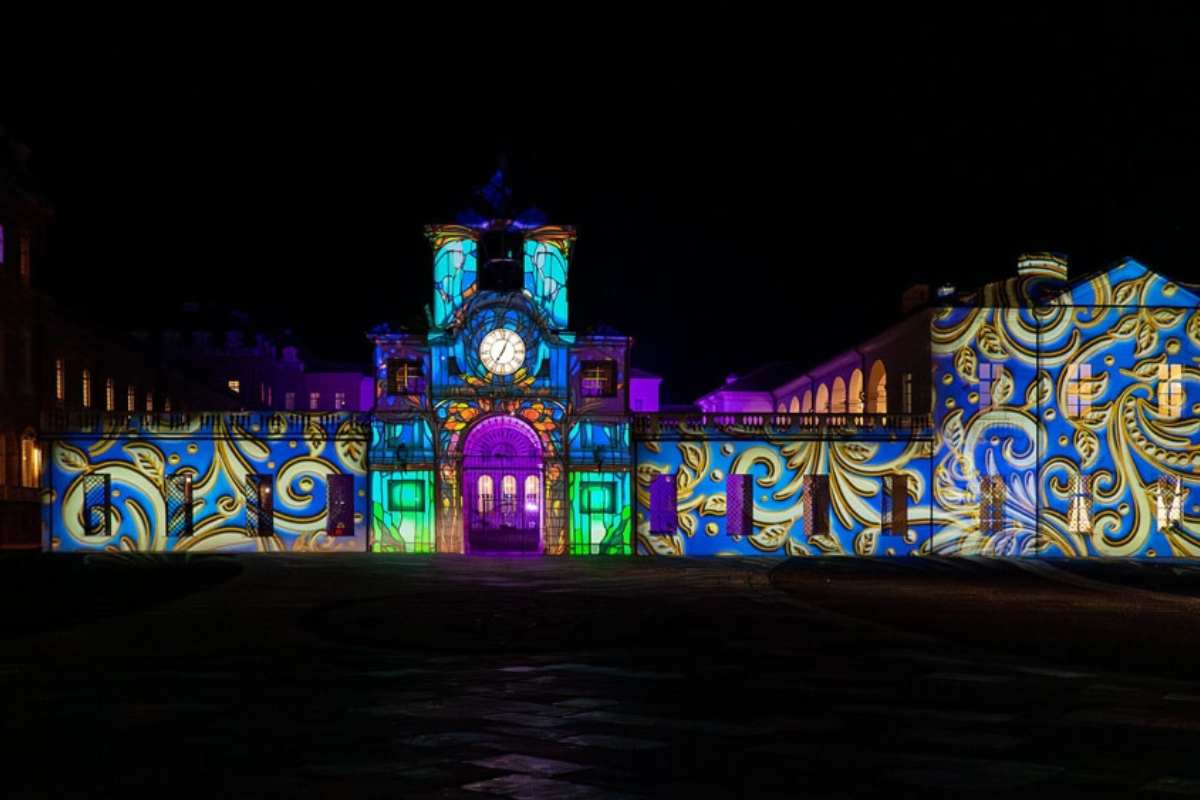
[[260, 506], [167, 405], [816, 505], [485, 494], [739, 505], [31, 461], [597, 497], [234, 385], [532, 493], [110, 395], [340, 519], [1170, 390], [907, 389], [1168, 503], [96, 505], [25, 260], [131, 399], [663, 514], [289, 401], [1079, 511], [179, 505], [508, 494], [988, 372], [991, 504], [1079, 378], [339, 399], [314, 400], [149, 401], [598, 378], [87, 389], [60, 380], [405, 376], [894, 519], [409, 495]]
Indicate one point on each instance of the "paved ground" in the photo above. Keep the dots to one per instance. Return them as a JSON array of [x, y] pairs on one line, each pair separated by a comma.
[[369, 676]]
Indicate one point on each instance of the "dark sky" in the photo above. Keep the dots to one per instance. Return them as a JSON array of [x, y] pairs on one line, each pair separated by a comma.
[[747, 187]]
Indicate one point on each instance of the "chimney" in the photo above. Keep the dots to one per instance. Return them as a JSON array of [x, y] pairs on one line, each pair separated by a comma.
[[1042, 265]]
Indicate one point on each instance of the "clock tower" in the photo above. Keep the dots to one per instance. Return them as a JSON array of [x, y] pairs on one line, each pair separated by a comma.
[[499, 431]]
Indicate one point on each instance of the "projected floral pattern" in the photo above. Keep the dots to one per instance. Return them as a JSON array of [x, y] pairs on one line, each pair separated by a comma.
[[856, 472], [218, 453], [1100, 353]]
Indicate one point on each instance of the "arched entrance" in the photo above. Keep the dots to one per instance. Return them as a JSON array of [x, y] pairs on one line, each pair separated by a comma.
[[502, 488]]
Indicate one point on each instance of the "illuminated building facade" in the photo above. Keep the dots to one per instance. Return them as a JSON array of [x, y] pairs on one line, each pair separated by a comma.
[[1037, 416]]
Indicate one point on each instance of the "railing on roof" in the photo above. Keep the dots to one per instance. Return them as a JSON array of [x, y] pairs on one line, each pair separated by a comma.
[[208, 425], [699, 425]]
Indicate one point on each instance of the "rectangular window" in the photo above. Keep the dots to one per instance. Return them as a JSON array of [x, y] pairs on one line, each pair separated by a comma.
[[1079, 511], [894, 519], [339, 400], [149, 401], [110, 395], [406, 495], [991, 504], [131, 399], [260, 506], [60, 380], [663, 514], [739, 505], [816, 505], [597, 497], [1170, 390], [988, 372], [234, 385], [598, 378], [26, 268], [87, 389], [405, 376], [96, 505], [179, 505], [314, 401], [1168, 501], [289, 401], [340, 520], [1079, 386], [907, 389]]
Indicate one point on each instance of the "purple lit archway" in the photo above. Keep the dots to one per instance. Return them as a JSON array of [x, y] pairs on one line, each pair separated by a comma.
[[502, 487]]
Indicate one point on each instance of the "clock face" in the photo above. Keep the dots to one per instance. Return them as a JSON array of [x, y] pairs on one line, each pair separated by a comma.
[[502, 351]]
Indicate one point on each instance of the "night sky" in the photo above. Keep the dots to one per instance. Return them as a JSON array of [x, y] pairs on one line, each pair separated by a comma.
[[747, 187]]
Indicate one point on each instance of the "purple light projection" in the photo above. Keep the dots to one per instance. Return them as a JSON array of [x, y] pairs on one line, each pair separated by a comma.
[[502, 488]]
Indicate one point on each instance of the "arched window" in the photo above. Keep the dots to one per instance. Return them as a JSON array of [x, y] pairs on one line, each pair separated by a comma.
[[31, 460], [822, 399], [87, 389], [855, 398], [837, 402], [531, 493], [782, 408], [508, 493], [484, 492], [806, 404], [877, 389], [795, 405]]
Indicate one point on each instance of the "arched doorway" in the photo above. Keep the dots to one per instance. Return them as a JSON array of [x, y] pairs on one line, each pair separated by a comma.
[[502, 488]]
